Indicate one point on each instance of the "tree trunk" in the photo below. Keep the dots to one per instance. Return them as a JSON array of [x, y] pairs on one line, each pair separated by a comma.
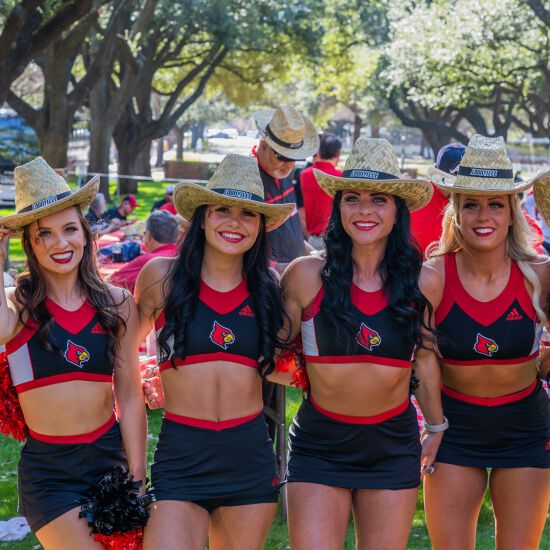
[[435, 140], [54, 142], [100, 146], [134, 161], [179, 142], [160, 153]]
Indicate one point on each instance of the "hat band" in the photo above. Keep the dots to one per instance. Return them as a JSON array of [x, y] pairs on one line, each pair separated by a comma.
[[238, 194], [280, 142], [44, 202], [485, 172], [366, 174]]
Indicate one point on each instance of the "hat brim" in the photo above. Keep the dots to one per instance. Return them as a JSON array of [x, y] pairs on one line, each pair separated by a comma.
[[82, 198], [311, 138], [416, 193], [447, 182], [188, 196], [541, 191]]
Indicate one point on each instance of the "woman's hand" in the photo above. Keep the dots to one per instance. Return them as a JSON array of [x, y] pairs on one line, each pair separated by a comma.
[[4, 244], [430, 445], [152, 387]]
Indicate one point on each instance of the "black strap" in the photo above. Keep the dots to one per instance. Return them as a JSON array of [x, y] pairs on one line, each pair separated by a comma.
[[44, 202], [492, 173], [238, 194], [280, 142], [368, 174]]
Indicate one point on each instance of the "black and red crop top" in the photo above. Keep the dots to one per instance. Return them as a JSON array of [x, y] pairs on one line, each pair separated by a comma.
[[81, 339], [379, 340], [224, 327], [502, 331]]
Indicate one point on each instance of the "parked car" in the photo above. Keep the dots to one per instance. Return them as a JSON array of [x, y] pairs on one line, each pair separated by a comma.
[[18, 142]]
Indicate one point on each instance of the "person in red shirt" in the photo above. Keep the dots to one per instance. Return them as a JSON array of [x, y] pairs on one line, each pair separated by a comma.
[[161, 235], [317, 204], [169, 207], [426, 223]]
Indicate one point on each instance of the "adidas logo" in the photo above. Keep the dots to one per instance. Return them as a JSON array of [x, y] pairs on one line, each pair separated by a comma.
[[246, 311], [98, 329], [514, 315]]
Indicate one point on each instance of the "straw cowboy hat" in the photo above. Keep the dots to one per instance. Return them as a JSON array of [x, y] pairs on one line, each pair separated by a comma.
[[373, 166], [541, 190], [287, 132], [485, 169], [41, 191], [236, 182]]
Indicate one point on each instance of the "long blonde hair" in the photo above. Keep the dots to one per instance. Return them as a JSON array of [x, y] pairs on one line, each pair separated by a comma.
[[519, 243]]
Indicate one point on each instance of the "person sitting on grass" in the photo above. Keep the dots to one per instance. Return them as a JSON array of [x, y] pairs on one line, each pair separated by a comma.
[[162, 231]]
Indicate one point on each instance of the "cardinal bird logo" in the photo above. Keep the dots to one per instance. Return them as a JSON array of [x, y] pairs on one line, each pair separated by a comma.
[[368, 338], [221, 336], [76, 355], [485, 346]]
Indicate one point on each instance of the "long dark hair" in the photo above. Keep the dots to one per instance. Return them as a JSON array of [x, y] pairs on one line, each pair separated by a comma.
[[32, 288], [181, 289], [399, 271]]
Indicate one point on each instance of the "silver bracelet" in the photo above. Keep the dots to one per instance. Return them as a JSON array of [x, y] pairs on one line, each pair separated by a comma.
[[435, 428]]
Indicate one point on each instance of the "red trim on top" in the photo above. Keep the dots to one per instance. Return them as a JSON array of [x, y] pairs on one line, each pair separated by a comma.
[[223, 302], [60, 378], [365, 358], [375, 419], [491, 401], [490, 361], [484, 313], [160, 321], [313, 307], [71, 321], [209, 357], [282, 195], [217, 426], [370, 303], [22, 337], [89, 437]]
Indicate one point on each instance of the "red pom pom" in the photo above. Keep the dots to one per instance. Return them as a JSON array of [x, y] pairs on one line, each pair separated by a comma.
[[12, 421], [132, 540]]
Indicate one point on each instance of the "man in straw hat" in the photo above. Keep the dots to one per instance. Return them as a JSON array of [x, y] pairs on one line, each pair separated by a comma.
[[285, 137], [487, 297], [65, 331]]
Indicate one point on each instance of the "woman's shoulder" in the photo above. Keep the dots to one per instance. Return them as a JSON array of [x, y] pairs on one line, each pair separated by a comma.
[[304, 268], [432, 279]]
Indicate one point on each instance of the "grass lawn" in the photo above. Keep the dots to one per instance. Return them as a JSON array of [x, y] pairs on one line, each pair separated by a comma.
[[278, 537]]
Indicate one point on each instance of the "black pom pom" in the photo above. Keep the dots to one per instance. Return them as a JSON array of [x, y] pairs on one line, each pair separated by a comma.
[[414, 384], [113, 505]]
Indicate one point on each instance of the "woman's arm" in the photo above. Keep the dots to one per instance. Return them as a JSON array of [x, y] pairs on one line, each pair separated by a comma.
[[128, 392], [427, 370], [298, 280]]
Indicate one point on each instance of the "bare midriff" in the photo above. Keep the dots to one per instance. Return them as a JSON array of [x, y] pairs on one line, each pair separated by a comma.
[[489, 380], [67, 408], [358, 389], [214, 391]]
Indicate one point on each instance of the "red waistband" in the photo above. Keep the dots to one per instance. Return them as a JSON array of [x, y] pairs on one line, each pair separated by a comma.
[[61, 378], [89, 437], [217, 426], [208, 358], [491, 401], [376, 419]]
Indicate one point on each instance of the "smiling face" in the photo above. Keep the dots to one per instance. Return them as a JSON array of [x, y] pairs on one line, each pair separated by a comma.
[[367, 217], [58, 241], [230, 229], [484, 221]]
